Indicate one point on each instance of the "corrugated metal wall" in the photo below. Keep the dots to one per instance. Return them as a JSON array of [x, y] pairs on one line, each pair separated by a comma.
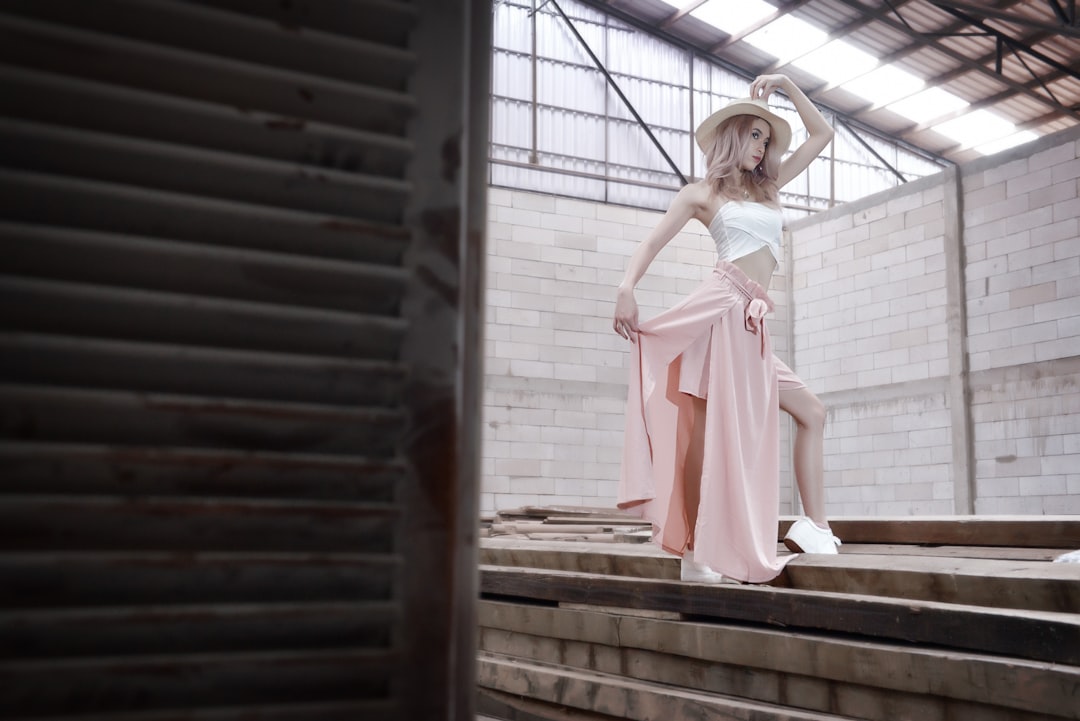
[[226, 423]]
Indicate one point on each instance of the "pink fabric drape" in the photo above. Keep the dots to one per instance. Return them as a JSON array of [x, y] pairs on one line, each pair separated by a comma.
[[714, 345]]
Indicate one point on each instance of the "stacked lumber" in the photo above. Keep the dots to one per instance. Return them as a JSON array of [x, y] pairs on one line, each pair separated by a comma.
[[917, 618], [566, 523]]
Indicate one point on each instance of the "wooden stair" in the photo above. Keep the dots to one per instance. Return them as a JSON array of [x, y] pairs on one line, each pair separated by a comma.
[[910, 621]]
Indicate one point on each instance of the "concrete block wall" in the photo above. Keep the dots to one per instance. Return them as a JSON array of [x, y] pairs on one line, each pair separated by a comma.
[[939, 322], [556, 372], [942, 321], [871, 339], [1022, 241]]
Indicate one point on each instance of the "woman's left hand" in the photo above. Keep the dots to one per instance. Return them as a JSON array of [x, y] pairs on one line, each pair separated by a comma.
[[764, 85]]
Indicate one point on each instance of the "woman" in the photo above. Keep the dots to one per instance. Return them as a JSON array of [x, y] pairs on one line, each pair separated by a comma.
[[701, 454]]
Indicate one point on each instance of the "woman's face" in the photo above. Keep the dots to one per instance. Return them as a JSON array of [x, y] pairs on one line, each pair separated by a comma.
[[760, 134]]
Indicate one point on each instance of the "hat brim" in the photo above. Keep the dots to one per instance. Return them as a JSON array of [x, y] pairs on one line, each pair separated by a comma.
[[781, 129]]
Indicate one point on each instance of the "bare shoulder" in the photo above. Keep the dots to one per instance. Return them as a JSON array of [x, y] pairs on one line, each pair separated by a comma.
[[695, 198], [702, 201]]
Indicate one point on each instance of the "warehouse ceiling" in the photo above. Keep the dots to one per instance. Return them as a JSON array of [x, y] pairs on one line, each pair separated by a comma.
[[957, 79]]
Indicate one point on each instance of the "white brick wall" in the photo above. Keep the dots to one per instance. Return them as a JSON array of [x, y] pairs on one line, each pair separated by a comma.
[[556, 372], [869, 297], [889, 457], [1023, 305], [870, 288], [870, 327], [869, 312]]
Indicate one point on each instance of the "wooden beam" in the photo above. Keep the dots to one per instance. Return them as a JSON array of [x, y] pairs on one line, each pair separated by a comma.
[[503, 706], [623, 698], [1022, 585], [639, 560], [1014, 584], [727, 659], [1012, 531], [1034, 635], [1001, 554], [961, 530]]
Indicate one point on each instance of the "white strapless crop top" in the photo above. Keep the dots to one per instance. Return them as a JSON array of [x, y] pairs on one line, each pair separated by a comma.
[[741, 228]]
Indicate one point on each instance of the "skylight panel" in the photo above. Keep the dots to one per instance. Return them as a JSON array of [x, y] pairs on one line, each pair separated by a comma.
[[884, 85], [678, 4], [927, 105], [1009, 141], [976, 128], [732, 17], [787, 37], [836, 62]]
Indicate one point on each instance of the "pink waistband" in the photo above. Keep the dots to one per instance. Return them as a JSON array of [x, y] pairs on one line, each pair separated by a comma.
[[744, 283], [758, 302]]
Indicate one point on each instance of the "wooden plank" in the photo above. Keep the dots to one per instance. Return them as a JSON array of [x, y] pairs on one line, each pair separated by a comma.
[[835, 675], [1019, 584], [534, 527], [574, 537], [115, 523], [136, 418], [1034, 635], [1011, 531], [372, 710], [1030, 585], [578, 511], [97, 363], [61, 580], [615, 610], [631, 536], [195, 628], [639, 560], [602, 520], [90, 256], [33, 198], [76, 469], [140, 682], [622, 698], [514, 707], [998, 552]]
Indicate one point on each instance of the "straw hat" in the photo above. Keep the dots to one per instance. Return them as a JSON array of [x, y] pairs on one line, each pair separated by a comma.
[[781, 130]]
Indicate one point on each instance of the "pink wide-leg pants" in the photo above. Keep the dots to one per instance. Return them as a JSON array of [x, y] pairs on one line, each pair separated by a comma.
[[713, 345]]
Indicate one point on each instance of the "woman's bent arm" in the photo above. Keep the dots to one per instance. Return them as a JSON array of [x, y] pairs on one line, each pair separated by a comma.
[[686, 205], [820, 132]]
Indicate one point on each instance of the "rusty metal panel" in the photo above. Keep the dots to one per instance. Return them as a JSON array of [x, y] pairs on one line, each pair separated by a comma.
[[214, 225]]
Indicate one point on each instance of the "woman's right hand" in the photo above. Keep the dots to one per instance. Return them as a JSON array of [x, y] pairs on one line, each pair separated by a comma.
[[626, 314], [764, 85]]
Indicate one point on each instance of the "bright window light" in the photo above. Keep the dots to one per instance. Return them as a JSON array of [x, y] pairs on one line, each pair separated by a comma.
[[884, 85], [836, 62], [927, 105], [976, 128], [786, 38], [733, 17], [1009, 141]]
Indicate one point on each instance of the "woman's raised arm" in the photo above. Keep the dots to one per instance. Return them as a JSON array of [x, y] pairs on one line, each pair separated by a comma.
[[821, 133]]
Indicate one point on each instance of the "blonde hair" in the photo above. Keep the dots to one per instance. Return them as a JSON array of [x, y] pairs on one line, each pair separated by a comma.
[[724, 155]]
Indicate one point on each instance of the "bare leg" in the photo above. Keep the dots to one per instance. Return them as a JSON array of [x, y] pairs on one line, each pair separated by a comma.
[[695, 454], [809, 415]]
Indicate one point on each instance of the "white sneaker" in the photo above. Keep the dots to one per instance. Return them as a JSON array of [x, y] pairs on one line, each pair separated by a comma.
[[805, 536], [694, 572]]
